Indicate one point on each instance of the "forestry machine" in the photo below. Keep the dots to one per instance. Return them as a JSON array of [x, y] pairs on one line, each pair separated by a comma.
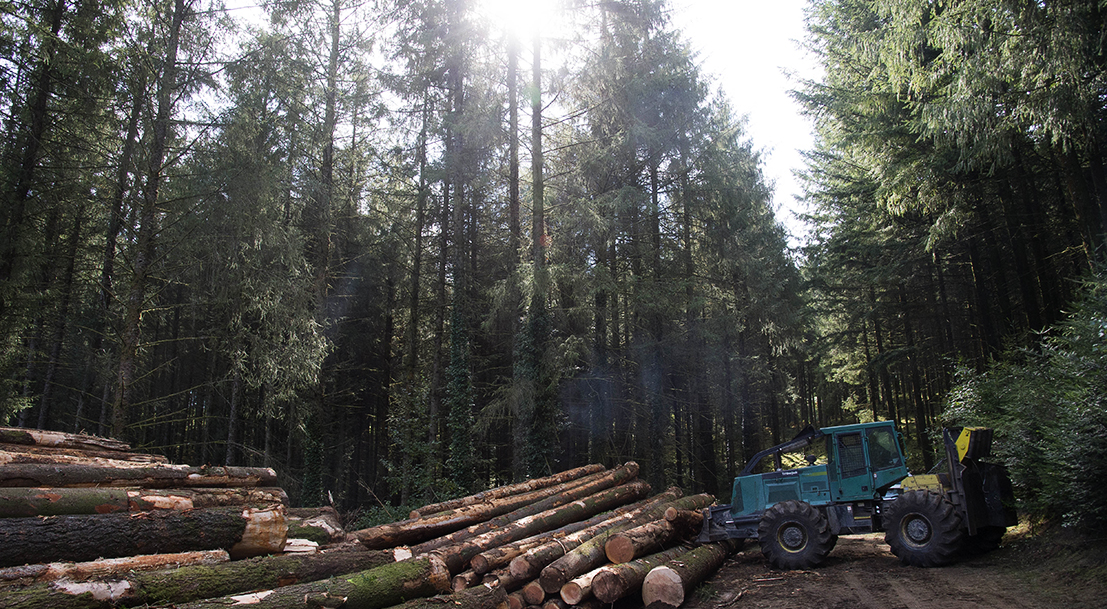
[[863, 486]]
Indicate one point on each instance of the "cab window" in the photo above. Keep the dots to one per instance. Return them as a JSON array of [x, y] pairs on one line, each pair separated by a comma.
[[883, 452]]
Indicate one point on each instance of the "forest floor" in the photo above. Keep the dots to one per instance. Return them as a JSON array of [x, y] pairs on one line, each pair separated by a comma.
[[1047, 570]]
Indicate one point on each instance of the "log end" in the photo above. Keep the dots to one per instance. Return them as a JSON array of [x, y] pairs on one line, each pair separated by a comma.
[[533, 593], [663, 585], [619, 549], [266, 532], [572, 593]]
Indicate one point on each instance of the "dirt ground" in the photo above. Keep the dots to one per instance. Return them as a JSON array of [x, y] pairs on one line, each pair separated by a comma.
[[862, 573]]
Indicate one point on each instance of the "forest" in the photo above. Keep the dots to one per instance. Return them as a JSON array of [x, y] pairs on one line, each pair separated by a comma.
[[399, 252]]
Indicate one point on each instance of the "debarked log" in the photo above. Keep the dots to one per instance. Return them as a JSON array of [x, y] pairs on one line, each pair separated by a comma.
[[151, 476], [194, 582], [383, 586], [21, 502], [242, 531], [669, 584]]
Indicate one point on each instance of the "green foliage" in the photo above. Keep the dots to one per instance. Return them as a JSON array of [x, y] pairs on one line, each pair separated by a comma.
[[1049, 410], [311, 487]]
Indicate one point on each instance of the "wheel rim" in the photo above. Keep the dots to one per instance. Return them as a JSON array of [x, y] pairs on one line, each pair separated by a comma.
[[917, 530], [792, 537]]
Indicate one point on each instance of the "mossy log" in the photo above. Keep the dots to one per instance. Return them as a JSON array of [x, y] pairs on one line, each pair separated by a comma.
[[242, 531], [613, 582], [590, 554], [526, 486], [195, 582], [416, 530], [19, 435], [22, 502], [107, 567], [669, 584], [478, 597], [376, 588], [457, 557], [321, 525], [615, 477], [150, 476]]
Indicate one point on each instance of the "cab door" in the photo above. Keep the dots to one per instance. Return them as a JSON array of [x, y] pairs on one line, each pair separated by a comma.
[[854, 480]]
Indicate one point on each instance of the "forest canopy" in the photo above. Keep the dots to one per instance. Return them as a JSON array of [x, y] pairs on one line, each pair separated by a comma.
[[398, 252]]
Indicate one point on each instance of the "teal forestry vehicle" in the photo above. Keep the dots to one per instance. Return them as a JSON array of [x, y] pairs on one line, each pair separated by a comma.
[[860, 484]]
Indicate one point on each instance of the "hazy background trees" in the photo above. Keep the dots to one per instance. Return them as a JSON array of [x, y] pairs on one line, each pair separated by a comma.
[[397, 251]]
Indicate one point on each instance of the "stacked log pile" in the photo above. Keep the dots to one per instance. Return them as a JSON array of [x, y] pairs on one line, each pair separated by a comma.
[[155, 534]]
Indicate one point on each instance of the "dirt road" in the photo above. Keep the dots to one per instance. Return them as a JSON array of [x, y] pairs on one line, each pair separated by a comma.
[[861, 573]]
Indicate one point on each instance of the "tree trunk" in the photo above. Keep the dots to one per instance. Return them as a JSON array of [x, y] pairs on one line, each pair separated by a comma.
[[647, 538], [456, 557], [609, 479], [590, 554], [529, 564], [23, 502], [196, 582], [109, 567], [15, 455], [44, 454], [478, 597], [613, 582], [246, 532], [31, 437], [152, 476], [421, 529], [579, 588], [506, 491], [382, 586], [668, 584], [502, 555]]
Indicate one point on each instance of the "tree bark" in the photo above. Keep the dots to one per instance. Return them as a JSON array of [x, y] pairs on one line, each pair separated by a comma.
[[590, 554], [19, 453], [478, 597], [457, 556], [152, 476], [31, 437], [382, 586], [652, 536], [533, 593], [420, 529], [613, 582], [244, 532], [579, 588], [117, 567], [196, 582], [670, 583], [21, 502], [508, 490], [612, 478]]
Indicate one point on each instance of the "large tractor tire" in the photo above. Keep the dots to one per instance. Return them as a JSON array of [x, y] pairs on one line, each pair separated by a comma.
[[794, 535], [924, 529]]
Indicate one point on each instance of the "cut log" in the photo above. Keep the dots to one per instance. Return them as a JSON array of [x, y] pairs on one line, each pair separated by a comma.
[[244, 532], [19, 435], [650, 537], [151, 476], [590, 554], [609, 479], [320, 525], [81, 571], [458, 556], [465, 579], [191, 583], [670, 583], [515, 600], [579, 588], [528, 565], [30, 457], [613, 582], [383, 586], [511, 489], [533, 593], [555, 603], [417, 530], [20, 502], [24, 451], [479, 597]]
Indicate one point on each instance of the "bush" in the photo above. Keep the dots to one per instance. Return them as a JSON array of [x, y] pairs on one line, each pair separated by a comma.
[[1048, 410]]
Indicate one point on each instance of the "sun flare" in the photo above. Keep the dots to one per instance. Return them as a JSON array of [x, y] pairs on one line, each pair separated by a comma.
[[520, 17]]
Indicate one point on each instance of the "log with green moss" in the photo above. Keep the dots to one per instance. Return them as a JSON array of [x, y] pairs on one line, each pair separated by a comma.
[[669, 584], [242, 531], [457, 557], [21, 502], [518, 488], [477, 597], [194, 582], [615, 477], [416, 530], [383, 586], [150, 476]]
